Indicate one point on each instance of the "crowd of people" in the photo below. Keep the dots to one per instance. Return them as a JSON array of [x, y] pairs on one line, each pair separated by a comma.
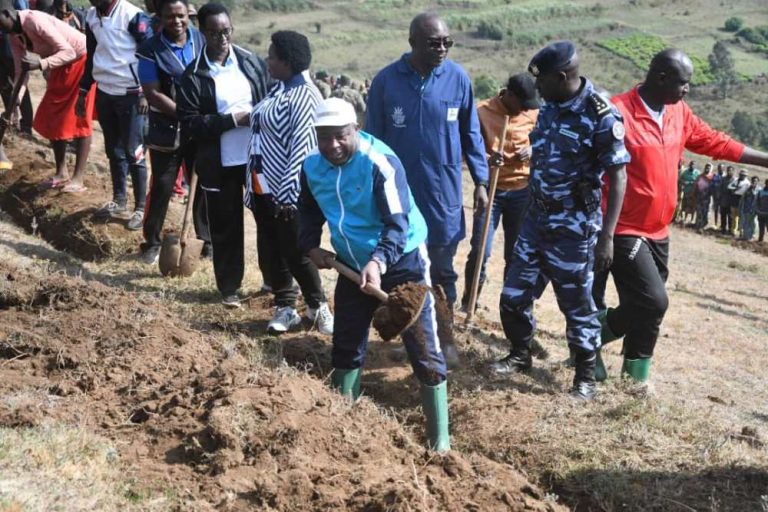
[[737, 203], [583, 186]]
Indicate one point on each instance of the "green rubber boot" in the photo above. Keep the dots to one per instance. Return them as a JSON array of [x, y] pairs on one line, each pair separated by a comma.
[[637, 369], [601, 373], [434, 400], [347, 382], [606, 334]]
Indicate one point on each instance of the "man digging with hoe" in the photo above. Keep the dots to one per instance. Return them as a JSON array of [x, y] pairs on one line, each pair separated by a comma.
[[358, 185]]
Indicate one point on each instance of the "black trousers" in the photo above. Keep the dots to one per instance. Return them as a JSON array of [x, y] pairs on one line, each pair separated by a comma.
[[281, 259], [7, 78], [165, 168], [762, 225], [224, 209], [725, 218], [640, 272]]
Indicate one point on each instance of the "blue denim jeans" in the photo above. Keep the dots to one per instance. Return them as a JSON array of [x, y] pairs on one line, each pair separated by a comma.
[[509, 207], [124, 144]]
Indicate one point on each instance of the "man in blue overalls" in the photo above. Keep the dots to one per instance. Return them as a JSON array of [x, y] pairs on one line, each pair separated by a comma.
[[578, 136], [422, 107]]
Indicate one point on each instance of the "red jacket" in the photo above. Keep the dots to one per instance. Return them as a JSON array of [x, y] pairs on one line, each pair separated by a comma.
[[651, 197]]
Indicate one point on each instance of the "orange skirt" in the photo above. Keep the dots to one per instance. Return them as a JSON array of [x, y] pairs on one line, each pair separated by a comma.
[[55, 118]]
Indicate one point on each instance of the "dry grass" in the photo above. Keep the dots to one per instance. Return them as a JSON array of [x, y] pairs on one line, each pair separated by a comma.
[[60, 467]]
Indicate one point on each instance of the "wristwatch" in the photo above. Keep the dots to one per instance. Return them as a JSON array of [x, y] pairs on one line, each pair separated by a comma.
[[381, 264], [483, 184]]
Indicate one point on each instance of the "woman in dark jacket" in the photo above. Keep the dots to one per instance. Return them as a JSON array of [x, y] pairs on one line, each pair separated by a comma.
[[213, 102], [162, 60]]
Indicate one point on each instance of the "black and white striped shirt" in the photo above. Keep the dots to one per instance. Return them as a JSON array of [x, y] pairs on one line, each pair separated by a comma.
[[283, 134]]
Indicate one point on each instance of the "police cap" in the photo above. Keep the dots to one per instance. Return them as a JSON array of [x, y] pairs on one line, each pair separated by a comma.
[[552, 58]]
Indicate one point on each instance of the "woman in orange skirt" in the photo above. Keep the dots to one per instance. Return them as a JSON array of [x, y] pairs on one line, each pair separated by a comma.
[[41, 41]]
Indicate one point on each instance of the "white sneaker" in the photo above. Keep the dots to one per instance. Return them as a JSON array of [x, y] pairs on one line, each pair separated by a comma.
[[322, 317], [285, 318]]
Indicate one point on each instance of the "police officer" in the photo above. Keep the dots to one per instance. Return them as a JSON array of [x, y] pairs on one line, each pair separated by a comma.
[[578, 136]]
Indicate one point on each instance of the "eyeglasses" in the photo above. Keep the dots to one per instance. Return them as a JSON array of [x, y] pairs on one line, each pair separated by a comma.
[[436, 42], [221, 34]]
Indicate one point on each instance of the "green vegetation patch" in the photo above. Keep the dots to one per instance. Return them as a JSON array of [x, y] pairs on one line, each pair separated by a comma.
[[640, 49]]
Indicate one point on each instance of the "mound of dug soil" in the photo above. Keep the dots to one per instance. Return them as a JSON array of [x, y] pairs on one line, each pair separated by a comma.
[[191, 412], [64, 219]]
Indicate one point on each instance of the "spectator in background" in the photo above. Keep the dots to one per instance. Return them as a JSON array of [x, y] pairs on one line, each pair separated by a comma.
[[703, 196], [214, 101], [40, 41], [347, 91], [114, 30], [761, 208], [162, 61], [715, 192], [726, 221], [685, 186], [69, 14], [736, 189], [321, 82], [748, 210], [519, 106], [283, 136]]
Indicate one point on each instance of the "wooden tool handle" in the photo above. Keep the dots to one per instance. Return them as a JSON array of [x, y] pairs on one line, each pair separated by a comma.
[[486, 227], [188, 210], [5, 122], [355, 278]]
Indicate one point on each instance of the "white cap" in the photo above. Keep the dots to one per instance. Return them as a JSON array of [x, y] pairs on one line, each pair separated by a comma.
[[335, 112]]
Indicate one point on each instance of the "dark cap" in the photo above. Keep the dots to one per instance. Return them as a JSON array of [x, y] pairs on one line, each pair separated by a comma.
[[553, 57], [524, 88]]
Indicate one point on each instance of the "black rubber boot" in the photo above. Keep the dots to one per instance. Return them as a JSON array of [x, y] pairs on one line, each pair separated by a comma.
[[518, 360], [584, 386]]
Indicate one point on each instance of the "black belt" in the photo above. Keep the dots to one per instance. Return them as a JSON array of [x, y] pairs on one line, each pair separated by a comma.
[[551, 206]]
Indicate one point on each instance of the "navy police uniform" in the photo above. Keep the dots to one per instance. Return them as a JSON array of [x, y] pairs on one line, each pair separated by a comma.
[[572, 144]]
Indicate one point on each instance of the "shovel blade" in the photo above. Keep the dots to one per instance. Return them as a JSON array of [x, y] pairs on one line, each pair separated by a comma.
[[190, 257], [170, 252]]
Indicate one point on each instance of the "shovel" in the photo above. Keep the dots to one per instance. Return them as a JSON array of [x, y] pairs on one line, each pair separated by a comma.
[[6, 121], [399, 310], [179, 256]]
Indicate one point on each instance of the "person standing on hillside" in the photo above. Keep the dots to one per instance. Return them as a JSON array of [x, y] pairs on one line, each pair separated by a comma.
[[422, 106], [737, 188], [577, 139], [39, 41], [114, 30], [748, 211], [357, 185], [703, 196], [726, 221], [162, 61], [714, 188], [214, 100], [687, 193], [518, 105], [659, 126], [761, 208]]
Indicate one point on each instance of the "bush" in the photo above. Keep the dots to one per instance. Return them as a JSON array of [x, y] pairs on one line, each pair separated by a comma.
[[485, 87], [733, 24], [281, 5], [753, 35], [490, 30]]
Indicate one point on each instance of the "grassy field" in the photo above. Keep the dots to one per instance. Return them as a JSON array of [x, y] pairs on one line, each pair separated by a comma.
[[360, 37]]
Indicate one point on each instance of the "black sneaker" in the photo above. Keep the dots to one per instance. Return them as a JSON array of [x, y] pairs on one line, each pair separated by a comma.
[[517, 361], [150, 255]]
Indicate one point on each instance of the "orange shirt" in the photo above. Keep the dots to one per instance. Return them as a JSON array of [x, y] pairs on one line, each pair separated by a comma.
[[513, 174]]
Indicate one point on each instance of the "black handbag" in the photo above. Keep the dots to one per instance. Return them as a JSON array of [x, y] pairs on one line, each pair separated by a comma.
[[162, 132]]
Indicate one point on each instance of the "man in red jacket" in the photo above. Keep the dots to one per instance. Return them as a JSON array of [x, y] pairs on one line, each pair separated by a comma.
[[659, 127]]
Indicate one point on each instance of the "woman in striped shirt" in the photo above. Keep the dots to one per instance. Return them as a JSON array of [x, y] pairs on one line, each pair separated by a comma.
[[283, 135]]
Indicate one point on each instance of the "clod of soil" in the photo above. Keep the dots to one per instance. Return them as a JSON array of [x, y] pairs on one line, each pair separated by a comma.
[[400, 311]]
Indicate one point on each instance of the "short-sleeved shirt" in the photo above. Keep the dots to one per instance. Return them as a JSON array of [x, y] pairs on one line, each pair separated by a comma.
[[148, 70], [574, 141]]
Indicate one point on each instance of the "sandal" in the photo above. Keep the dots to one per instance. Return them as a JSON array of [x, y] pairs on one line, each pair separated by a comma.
[[55, 183], [74, 189]]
